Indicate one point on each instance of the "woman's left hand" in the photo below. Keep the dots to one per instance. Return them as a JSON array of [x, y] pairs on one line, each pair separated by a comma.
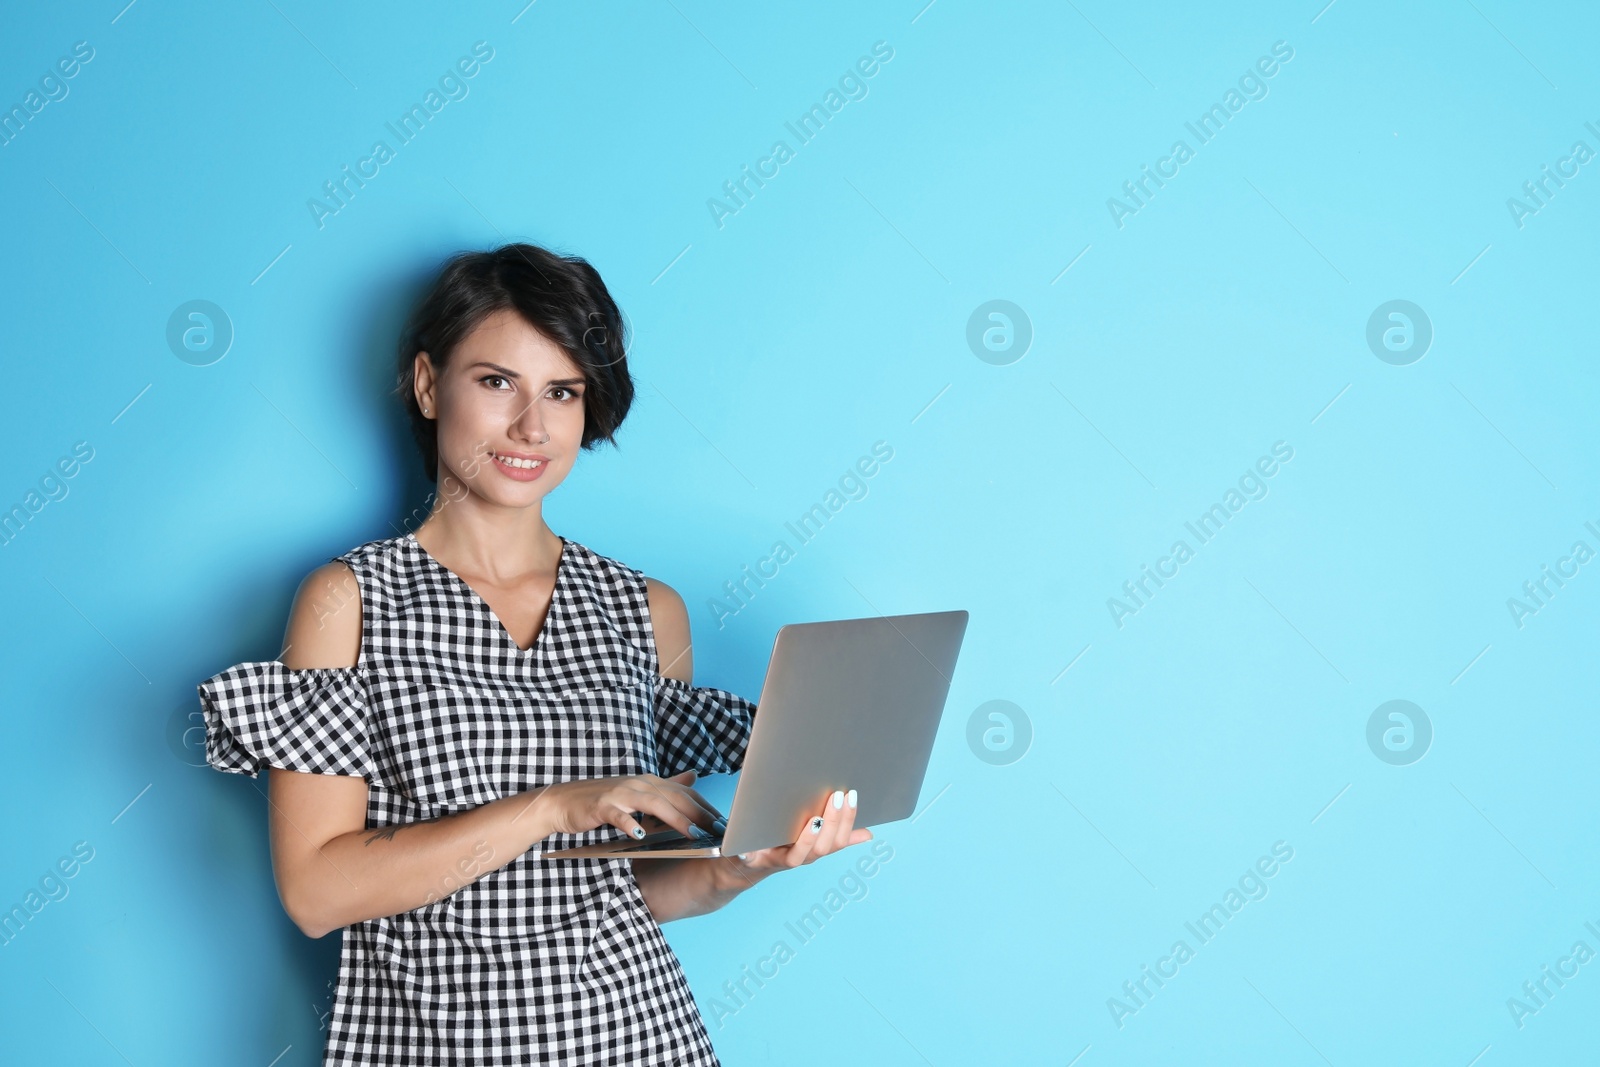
[[834, 830]]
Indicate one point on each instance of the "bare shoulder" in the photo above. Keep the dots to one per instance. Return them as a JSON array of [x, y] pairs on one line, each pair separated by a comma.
[[669, 617], [325, 623]]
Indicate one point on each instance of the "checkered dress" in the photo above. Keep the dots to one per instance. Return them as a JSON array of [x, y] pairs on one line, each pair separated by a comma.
[[537, 961]]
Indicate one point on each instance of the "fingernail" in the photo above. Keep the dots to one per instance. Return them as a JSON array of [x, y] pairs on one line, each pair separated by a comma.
[[719, 826], [816, 825], [850, 798], [744, 855], [838, 799], [638, 831]]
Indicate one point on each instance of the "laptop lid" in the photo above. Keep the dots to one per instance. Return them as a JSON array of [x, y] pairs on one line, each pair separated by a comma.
[[848, 703]]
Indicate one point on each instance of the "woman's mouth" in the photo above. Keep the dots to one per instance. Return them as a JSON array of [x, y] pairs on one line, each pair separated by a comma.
[[522, 468]]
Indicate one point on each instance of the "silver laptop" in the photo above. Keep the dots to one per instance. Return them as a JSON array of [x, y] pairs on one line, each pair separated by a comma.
[[847, 704]]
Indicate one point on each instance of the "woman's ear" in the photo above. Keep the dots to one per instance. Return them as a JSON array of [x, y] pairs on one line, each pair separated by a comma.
[[422, 379]]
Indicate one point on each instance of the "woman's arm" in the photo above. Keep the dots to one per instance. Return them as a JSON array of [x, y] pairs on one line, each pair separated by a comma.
[[684, 888], [330, 870]]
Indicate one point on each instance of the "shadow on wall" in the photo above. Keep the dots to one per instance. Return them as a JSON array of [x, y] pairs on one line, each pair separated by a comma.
[[370, 377]]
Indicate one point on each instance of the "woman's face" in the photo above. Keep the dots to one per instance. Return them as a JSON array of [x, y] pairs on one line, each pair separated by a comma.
[[509, 393]]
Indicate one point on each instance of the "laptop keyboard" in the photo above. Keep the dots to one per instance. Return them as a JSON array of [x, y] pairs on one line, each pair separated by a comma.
[[708, 841]]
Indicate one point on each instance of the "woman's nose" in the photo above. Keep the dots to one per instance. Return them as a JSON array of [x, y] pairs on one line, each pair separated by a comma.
[[529, 423]]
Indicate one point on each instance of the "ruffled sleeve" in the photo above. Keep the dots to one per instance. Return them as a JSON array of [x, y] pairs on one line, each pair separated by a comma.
[[265, 714], [700, 728]]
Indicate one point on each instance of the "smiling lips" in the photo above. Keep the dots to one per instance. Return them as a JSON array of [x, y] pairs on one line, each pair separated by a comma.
[[522, 466]]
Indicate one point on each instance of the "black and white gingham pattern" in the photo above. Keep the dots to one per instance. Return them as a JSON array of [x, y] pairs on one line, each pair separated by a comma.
[[537, 962]]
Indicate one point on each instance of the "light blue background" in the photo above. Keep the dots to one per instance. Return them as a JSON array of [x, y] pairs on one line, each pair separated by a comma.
[[829, 313]]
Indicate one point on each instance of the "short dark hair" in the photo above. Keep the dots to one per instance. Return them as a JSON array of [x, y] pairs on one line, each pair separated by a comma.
[[560, 296]]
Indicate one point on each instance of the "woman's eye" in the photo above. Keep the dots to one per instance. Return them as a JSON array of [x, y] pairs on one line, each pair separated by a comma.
[[492, 378], [569, 394]]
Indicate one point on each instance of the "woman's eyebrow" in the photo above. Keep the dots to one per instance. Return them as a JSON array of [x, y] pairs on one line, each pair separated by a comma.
[[509, 373]]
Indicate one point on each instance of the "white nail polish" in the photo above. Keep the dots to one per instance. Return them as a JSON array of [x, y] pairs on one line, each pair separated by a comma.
[[838, 799], [816, 825], [850, 798]]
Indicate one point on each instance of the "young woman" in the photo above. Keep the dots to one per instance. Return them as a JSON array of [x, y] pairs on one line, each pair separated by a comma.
[[452, 701]]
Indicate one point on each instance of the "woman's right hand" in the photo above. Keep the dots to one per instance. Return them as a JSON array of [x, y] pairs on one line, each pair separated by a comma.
[[578, 806]]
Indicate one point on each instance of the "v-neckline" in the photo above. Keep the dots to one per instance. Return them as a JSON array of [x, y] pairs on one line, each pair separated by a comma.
[[549, 615]]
